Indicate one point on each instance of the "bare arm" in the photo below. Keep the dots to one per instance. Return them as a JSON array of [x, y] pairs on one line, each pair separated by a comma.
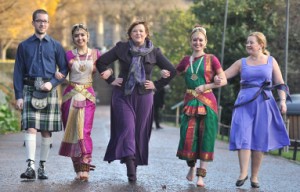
[[221, 78], [277, 76], [234, 69], [277, 79]]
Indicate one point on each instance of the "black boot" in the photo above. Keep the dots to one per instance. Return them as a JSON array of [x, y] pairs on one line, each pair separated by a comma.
[[131, 168], [41, 171], [29, 173]]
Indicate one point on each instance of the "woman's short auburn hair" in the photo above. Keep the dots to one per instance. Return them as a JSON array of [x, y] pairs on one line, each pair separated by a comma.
[[138, 23]]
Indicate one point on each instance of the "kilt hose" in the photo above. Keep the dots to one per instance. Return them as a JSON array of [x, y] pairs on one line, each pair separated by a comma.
[[47, 119]]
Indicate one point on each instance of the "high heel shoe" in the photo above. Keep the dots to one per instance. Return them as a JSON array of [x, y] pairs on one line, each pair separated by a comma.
[[241, 181]]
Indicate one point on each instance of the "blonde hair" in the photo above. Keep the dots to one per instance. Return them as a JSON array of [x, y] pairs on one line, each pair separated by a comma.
[[261, 39], [198, 28]]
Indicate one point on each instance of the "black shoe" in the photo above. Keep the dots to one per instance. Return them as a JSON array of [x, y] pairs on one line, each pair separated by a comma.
[[158, 127], [254, 184], [42, 174], [241, 182], [41, 171], [28, 174]]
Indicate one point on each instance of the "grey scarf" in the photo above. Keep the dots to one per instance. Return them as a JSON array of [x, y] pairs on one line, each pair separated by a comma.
[[136, 73]]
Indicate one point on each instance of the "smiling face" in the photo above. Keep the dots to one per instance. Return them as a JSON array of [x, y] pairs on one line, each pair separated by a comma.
[[80, 37], [252, 45], [41, 23], [198, 41], [138, 34]]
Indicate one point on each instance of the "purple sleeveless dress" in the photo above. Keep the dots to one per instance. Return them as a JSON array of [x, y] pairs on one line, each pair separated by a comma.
[[257, 125]]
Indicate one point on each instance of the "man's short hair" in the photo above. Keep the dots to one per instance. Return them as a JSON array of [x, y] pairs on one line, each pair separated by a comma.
[[38, 11]]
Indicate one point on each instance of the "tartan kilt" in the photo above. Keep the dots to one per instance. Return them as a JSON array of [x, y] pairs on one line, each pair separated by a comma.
[[47, 119]]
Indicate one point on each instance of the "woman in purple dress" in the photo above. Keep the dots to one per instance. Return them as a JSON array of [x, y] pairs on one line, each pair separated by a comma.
[[132, 97], [257, 125]]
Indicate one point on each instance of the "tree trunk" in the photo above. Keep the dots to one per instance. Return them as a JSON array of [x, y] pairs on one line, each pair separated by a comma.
[[4, 48]]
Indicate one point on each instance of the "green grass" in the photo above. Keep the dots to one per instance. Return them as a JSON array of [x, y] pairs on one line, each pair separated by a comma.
[[285, 154], [223, 138], [171, 124], [288, 154]]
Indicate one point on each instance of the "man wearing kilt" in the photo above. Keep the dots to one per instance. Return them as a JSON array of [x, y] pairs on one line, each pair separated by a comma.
[[35, 90]]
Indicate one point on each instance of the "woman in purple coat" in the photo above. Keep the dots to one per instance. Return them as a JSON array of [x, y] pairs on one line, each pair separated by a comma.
[[132, 97]]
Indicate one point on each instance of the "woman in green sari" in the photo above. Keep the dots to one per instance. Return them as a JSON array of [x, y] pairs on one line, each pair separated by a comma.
[[199, 120]]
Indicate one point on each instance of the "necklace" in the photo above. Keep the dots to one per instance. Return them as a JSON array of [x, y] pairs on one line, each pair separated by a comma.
[[194, 76], [82, 65]]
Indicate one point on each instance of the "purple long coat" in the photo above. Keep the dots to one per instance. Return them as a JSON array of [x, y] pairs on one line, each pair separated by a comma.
[[131, 115]]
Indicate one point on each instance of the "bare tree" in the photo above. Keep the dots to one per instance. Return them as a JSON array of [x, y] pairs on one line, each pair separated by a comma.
[[15, 23], [16, 17], [13, 16]]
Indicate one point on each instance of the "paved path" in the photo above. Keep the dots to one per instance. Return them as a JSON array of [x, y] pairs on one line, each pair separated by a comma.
[[164, 172]]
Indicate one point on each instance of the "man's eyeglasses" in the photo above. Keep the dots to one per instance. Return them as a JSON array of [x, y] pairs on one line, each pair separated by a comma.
[[41, 21], [79, 26]]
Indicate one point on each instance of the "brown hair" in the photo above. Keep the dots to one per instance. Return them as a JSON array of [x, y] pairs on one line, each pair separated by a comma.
[[77, 27], [138, 23], [261, 39], [38, 11]]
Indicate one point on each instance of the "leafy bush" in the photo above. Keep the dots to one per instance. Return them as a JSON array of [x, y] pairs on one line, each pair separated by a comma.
[[8, 120]]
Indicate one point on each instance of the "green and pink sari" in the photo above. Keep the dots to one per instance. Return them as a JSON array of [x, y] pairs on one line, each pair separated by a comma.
[[199, 120]]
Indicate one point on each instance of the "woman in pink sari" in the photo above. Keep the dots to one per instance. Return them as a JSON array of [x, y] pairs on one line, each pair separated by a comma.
[[78, 104]]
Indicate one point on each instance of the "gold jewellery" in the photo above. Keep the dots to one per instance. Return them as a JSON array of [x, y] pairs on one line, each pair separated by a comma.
[[194, 76], [82, 64]]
